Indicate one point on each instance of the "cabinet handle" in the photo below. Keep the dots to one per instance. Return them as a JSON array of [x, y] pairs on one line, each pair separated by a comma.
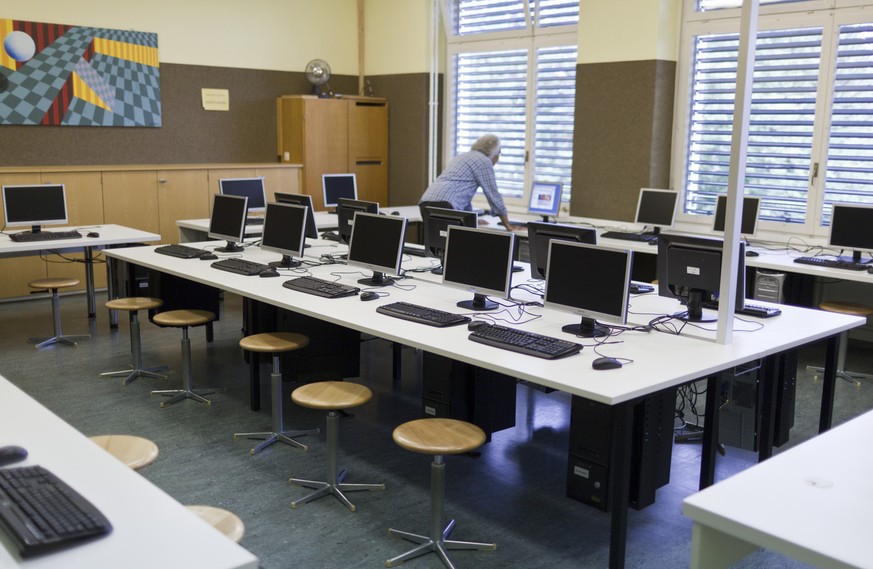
[[162, 181], [368, 162]]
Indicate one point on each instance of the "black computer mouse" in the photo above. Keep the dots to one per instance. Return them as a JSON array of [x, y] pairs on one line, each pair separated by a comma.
[[268, 273], [208, 257], [750, 253], [369, 295], [870, 269], [477, 325], [12, 454], [605, 363], [93, 234]]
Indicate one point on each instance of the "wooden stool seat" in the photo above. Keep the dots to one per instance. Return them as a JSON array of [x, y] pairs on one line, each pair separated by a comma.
[[439, 436], [133, 305], [331, 395], [852, 309], [53, 283], [846, 307], [183, 318], [223, 520], [273, 342], [133, 451]]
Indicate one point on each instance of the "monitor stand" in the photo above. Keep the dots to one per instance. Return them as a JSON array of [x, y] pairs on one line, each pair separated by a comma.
[[231, 247], [480, 303], [286, 263], [695, 309], [378, 279], [587, 328]]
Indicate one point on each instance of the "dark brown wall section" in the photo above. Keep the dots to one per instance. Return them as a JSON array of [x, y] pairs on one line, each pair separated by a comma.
[[622, 139]]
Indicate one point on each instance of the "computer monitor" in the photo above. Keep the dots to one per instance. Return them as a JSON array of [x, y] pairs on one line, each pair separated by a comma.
[[749, 221], [252, 188], [689, 268], [479, 261], [656, 208], [545, 199], [851, 229], [336, 186], [540, 234], [436, 222], [589, 281], [345, 213], [377, 244], [35, 205], [285, 232], [228, 221], [306, 201]]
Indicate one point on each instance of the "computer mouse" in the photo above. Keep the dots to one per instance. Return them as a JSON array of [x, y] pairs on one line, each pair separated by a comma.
[[750, 253], [477, 325], [268, 273], [395, 213], [605, 363], [208, 257], [12, 454], [870, 269], [369, 295], [93, 234]]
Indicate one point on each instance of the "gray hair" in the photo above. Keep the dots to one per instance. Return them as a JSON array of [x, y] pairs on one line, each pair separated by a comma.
[[488, 144]]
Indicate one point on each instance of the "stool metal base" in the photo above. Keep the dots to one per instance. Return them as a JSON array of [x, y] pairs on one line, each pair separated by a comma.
[[852, 377], [438, 546], [67, 340], [176, 395], [337, 489], [273, 437], [135, 373]]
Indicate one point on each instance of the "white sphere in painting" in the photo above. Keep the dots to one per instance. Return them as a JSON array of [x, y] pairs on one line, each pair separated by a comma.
[[20, 46]]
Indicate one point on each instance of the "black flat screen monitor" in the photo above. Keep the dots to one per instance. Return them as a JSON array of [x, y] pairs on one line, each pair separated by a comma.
[[540, 234], [336, 186], [377, 244], [35, 206], [749, 221], [436, 222], [589, 281], [285, 233], [545, 199], [656, 208], [689, 269], [306, 201], [852, 228], [479, 261], [252, 188], [228, 221], [345, 213]]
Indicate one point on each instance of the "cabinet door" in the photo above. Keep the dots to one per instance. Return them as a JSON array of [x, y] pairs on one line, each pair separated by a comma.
[[131, 199], [84, 191], [326, 147], [285, 180], [368, 149], [18, 271], [218, 174], [182, 194]]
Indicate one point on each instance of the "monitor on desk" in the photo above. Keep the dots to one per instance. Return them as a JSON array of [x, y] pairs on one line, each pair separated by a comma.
[[656, 208], [689, 269], [545, 199], [285, 233], [377, 244], [852, 228], [345, 214], [306, 201], [436, 222], [251, 188], [35, 205], [336, 186], [228, 221], [479, 261], [591, 282], [749, 220], [540, 234]]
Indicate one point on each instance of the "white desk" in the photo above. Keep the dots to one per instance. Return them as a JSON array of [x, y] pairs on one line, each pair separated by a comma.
[[813, 503], [150, 528]]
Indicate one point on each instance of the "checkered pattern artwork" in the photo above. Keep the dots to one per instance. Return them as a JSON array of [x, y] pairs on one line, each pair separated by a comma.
[[53, 74]]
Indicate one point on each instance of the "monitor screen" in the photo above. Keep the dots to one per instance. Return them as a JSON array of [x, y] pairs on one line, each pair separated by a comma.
[[851, 229], [336, 186], [590, 281], [540, 234], [436, 221], [252, 188], [306, 201], [345, 213], [545, 199], [285, 232], [479, 261], [377, 244], [36, 205], [228, 221], [656, 208], [689, 268], [749, 221]]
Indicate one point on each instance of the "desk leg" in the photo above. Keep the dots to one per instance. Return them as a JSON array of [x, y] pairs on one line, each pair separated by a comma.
[[89, 282], [830, 383], [619, 481], [111, 293], [710, 433], [397, 355], [771, 375]]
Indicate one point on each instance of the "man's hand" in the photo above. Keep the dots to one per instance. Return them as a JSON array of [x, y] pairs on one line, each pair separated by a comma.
[[509, 226]]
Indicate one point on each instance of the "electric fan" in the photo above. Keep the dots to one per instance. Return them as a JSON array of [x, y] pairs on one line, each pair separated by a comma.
[[318, 73]]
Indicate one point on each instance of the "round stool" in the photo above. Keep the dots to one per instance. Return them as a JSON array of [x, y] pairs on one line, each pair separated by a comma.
[[854, 309], [275, 343], [133, 451], [438, 437], [224, 521], [53, 285], [332, 396], [133, 305], [184, 319]]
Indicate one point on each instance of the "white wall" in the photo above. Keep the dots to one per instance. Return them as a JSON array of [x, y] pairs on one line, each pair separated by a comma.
[[629, 30], [397, 36]]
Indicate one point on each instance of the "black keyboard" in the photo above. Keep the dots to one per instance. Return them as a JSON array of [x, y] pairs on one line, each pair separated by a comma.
[[524, 342], [645, 237], [180, 251], [254, 221], [422, 314], [29, 236], [321, 287], [831, 263], [41, 513], [635, 288], [240, 266], [417, 251], [756, 310]]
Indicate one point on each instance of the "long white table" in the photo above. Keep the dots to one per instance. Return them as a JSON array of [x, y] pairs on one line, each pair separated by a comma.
[[150, 528]]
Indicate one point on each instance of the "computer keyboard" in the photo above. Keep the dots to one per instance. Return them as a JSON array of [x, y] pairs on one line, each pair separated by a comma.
[[524, 342], [422, 314], [643, 237], [42, 513], [29, 236], [321, 287], [756, 310], [831, 263], [240, 266], [417, 251], [635, 288], [180, 251], [254, 221]]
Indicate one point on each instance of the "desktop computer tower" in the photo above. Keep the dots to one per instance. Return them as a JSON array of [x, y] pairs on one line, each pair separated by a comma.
[[769, 286], [590, 449]]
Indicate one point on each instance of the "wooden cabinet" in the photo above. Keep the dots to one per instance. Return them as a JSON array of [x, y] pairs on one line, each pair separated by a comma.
[[336, 136]]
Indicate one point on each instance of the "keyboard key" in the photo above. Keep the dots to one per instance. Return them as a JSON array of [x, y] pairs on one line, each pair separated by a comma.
[[422, 314], [524, 342]]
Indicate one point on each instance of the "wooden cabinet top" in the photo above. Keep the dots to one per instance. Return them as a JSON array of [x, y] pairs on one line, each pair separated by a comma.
[[361, 99], [141, 167]]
